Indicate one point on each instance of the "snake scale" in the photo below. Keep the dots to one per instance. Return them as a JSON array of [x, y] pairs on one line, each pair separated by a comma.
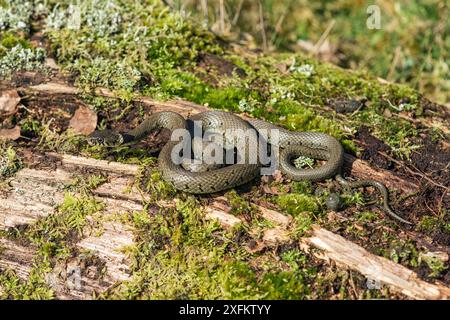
[[290, 144]]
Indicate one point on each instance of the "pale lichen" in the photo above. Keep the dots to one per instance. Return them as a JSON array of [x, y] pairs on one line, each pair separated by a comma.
[[19, 58], [17, 14]]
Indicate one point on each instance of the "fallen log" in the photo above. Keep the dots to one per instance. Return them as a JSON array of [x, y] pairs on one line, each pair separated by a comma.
[[107, 246], [333, 247], [36, 194]]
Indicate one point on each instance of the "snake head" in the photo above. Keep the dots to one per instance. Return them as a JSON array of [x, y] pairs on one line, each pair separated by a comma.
[[105, 138]]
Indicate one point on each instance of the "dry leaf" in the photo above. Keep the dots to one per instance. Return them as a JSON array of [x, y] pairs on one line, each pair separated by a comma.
[[9, 101], [84, 121], [271, 190], [278, 176], [10, 134], [268, 180]]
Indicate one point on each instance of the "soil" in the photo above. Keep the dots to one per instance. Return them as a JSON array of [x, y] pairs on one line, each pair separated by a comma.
[[214, 67]]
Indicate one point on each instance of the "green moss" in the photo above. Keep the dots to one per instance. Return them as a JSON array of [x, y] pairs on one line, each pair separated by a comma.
[[239, 205], [180, 255], [352, 198], [101, 73], [225, 98], [405, 253], [51, 139], [34, 288], [301, 224], [434, 226], [145, 36], [304, 187], [367, 216], [435, 263], [31, 127], [155, 185], [54, 233], [9, 40], [285, 285], [85, 185], [432, 223], [10, 162], [297, 203], [397, 133]]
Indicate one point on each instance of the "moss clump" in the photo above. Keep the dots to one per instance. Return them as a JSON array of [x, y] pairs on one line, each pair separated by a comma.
[[85, 185], [51, 139], [437, 227], [301, 224], [10, 162], [397, 133], [146, 36], [303, 187], [405, 253], [435, 263], [54, 233], [30, 127], [9, 40], [367, 216], [239, 205], [296, 203], [101, 73], [180, 255], [432, 223], [352, 198], [34, 288], [154, 184]]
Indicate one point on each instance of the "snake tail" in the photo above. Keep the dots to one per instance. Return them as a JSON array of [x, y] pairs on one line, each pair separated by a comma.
[[377, 185]]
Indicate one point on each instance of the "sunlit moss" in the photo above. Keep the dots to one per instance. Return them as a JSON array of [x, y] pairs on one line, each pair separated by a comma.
[[34, 288], [10, 162], [180, 255], [296, 203], [53, 233]]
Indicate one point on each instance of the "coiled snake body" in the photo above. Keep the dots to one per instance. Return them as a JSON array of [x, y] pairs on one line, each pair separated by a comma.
[[314, 145]]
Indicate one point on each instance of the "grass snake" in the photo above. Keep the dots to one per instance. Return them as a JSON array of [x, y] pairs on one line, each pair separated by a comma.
[[215, 178]]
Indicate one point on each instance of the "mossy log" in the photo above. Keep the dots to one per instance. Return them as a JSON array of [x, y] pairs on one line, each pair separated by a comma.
[[35, 193], [42, 190]]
